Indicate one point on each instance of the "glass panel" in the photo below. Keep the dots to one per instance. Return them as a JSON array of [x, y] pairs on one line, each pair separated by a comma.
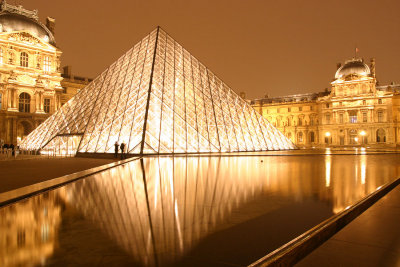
[[189, 109]]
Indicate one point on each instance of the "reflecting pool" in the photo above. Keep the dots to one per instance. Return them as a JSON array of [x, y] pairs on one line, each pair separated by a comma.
[[187, 211]]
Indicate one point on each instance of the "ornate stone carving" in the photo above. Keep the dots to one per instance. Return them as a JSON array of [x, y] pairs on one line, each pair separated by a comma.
[[13, 76], [24, 37], [26, 79], [19, 10]]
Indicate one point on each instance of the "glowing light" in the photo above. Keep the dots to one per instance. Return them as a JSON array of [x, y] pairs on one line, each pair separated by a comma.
[[363, 133], [327, 171], [327, 134], [363, 169], [168, 115]]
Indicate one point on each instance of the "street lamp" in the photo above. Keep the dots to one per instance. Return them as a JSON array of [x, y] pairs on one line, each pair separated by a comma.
[[327, 134]]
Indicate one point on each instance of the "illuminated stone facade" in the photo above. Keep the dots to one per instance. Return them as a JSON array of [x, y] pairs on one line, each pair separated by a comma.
[[31, 84], [355, 112]]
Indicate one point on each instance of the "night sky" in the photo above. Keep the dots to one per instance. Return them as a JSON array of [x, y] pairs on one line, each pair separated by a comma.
[[260, 47]]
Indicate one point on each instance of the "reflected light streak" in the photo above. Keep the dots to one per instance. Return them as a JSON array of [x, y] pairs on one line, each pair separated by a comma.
[[178, 227], [363, 169], [327, 171], [157, 213]]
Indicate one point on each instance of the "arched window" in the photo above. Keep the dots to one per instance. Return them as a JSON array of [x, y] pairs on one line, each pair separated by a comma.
[[380, 136], [312, 137], [24, 59], [24, 102], [46, 63]]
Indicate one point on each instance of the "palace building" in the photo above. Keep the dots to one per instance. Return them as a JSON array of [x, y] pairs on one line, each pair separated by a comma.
[[354, 112], [31, 83]]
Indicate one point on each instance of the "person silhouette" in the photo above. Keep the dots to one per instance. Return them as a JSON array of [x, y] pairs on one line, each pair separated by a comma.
[[116, 148], [122, 146]]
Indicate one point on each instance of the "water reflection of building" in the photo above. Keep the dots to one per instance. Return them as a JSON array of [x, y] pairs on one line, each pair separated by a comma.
[[356, 111], [159, 215], [160, 210], [29, 231], [31, 84]]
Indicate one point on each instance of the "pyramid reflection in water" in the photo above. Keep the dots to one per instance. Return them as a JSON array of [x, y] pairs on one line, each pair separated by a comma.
[[156, 98]]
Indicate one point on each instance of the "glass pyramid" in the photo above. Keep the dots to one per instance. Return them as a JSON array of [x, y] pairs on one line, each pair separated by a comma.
[[156, 98]]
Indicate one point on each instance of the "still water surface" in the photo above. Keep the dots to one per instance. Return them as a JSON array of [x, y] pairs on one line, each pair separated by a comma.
[[187, 211]]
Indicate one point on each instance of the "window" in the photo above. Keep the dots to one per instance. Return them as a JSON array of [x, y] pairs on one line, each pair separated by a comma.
[[300, 108], [289, 109], [24, 59], [24, 102], [311, 107], [328, 118], [379, 101], [327, 105], [300, 137], [353, 116], [340, 104], [312, 137], [288, 122], [365, 119], [311, 121], [46, 63], [21, 238], [380, 136], [300, 121], [364, 102], [380, 116], [47, 105], [341, 118]]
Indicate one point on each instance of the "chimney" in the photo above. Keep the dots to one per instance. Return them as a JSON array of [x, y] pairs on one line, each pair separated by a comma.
[[242, 95], [51, 24], [338, 65], [372, 67], [67, 71]]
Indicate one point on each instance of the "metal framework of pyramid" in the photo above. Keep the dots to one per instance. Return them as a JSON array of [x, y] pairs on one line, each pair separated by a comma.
[[157, 98]]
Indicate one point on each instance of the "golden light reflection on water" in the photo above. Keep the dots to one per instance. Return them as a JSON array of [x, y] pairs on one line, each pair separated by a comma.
[[158, 209]]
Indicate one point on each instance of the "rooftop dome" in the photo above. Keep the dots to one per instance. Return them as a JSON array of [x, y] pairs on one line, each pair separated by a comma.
[[353, 67], [16, 18]]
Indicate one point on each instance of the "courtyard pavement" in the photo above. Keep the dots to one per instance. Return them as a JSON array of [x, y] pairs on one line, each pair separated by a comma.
[[27, 170], [372, 239]]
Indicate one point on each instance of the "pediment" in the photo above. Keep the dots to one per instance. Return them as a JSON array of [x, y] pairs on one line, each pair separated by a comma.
[[25, 37]]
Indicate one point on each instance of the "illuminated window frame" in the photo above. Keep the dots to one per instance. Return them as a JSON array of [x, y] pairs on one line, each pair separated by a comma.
[[47, 63], [46, 105], [24, 102], [24, 60]]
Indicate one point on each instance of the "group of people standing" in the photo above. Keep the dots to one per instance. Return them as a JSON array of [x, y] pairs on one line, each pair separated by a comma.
[[119, 147], [8, 149]]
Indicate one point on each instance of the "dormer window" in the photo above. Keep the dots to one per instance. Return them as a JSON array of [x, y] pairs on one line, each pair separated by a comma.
[[24, 60]]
